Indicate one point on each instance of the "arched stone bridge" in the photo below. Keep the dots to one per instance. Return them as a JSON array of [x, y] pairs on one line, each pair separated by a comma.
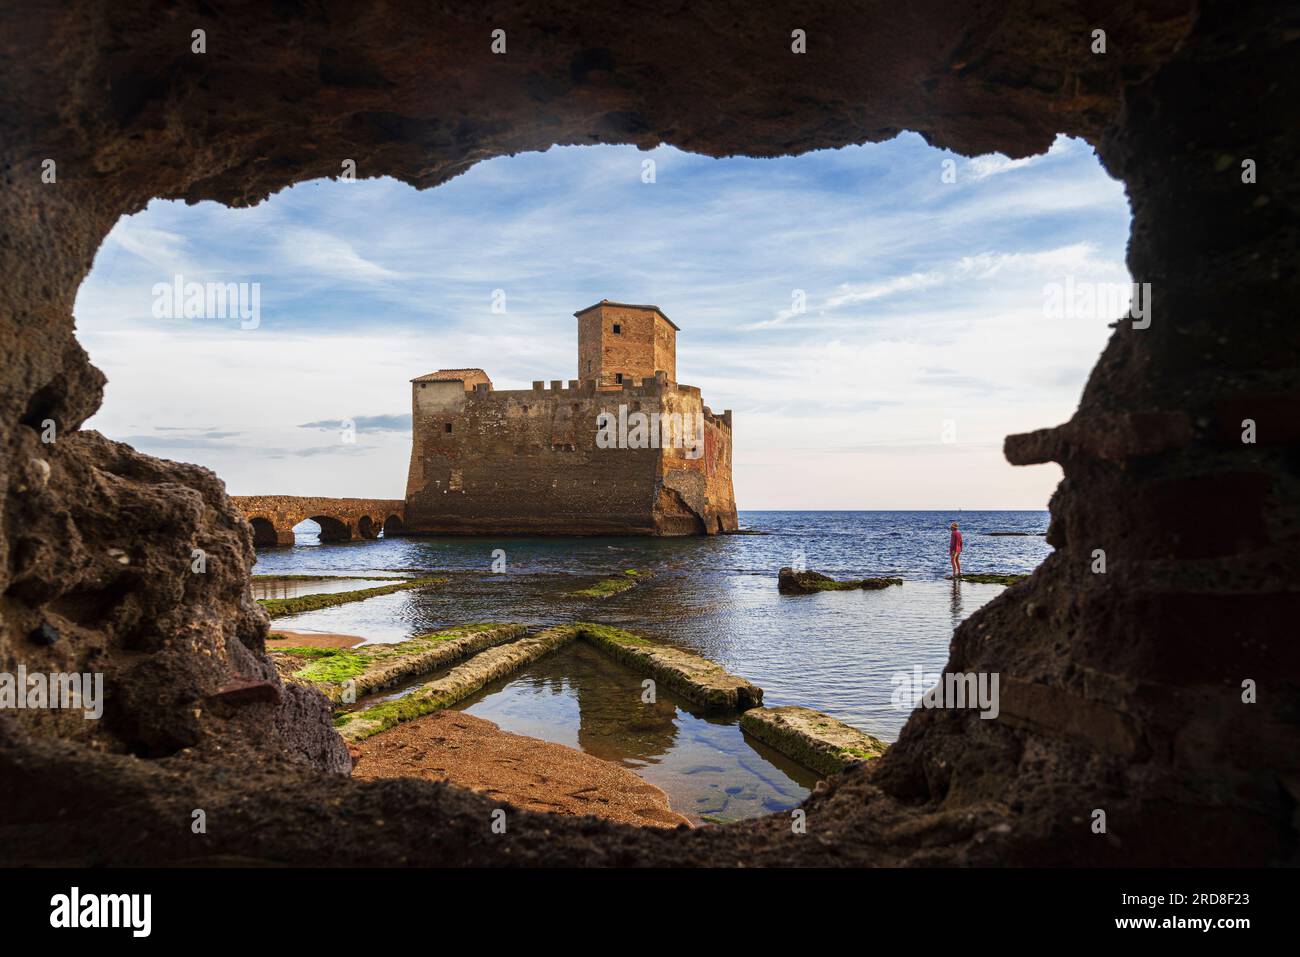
[[340, 519]]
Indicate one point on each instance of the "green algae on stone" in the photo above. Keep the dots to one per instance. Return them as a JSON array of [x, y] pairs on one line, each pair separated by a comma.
[[607, 634], [699, 680], [372, 668], [990, 579], [608, 587], [328, 578], [279, 607], [457, 684], [791, 582], [815, 740], [326, 665]]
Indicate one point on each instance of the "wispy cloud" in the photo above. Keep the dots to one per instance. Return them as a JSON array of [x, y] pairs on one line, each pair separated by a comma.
[[994, 164], [922, 303], [324, 255], [395, 422]]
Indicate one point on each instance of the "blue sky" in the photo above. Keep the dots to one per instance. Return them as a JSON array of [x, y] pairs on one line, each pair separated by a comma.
[[923, 342]]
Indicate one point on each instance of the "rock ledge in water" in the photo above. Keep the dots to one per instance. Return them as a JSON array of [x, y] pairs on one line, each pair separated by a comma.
[[791, 582], [815, 740], [699, 680], [993, 579]]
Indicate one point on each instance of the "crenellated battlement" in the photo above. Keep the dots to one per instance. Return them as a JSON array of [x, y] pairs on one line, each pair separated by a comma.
[[487, 460]]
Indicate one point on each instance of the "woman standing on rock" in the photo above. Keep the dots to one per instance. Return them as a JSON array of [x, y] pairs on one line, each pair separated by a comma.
[[954, 552]]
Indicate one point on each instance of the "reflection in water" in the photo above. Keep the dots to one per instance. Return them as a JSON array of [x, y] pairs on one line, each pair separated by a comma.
[[294, 587], [708, 768], [836, 651]]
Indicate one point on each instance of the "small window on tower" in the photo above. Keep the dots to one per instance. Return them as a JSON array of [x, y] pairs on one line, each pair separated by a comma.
[[618, 377], [447, 428], [618, 330]]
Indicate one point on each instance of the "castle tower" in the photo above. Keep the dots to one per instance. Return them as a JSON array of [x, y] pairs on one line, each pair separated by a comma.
[[488, 461], [618, 342]]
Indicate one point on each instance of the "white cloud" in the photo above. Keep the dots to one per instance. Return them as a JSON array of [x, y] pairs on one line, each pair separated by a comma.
[[924, 303], [325, 255], [994, 164]]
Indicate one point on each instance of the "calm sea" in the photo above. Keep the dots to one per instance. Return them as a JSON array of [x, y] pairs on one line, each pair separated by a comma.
[[838, 652]]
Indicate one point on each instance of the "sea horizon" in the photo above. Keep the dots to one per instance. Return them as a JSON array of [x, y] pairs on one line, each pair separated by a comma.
[[976, 509]]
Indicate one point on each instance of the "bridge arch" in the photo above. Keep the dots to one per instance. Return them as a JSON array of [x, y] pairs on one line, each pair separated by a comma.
[[265, 534], [273, 517], [332, 529]]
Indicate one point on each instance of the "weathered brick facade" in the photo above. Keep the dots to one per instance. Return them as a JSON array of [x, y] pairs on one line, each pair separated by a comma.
[[617, 342], [530, 461], [341, 519]]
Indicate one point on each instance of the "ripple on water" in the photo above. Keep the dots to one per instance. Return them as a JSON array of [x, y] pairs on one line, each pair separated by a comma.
[[842, 652]]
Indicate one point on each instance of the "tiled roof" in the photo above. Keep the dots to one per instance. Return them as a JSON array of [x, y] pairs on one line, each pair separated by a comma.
[[451, 375], [628, 305]]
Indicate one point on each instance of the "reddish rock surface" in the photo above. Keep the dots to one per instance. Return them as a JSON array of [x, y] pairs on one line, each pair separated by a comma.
[[513, 770]]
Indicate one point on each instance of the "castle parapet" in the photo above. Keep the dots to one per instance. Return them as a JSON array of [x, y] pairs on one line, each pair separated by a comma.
[[539, 460]]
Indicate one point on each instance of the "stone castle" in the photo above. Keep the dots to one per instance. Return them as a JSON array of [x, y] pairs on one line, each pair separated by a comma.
[[624, 449]]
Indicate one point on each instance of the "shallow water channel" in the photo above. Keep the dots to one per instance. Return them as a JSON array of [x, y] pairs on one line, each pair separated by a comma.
[[843, 653]]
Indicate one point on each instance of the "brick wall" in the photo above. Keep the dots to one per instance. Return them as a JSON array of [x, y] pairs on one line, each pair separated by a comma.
[[527, 461], [645, 344]]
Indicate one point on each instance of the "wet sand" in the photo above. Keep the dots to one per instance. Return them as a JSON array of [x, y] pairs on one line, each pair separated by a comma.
[[521, 771], [279, 638]]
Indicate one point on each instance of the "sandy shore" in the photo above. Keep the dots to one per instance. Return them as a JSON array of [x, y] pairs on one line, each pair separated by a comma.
[[279, 638], [522, 771]]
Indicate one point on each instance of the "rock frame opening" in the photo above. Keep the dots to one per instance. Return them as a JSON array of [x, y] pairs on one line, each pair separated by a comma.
[[1121, 691]]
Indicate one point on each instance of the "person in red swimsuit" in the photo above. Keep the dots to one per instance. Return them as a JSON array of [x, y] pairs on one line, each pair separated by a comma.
[[954, 552]]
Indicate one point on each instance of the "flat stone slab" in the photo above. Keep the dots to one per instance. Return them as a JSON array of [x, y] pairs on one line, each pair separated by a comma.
[[992, 579], [373, 668], [699, 680], [815, 740], [611, 586], [280, 607], [457, 684]]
